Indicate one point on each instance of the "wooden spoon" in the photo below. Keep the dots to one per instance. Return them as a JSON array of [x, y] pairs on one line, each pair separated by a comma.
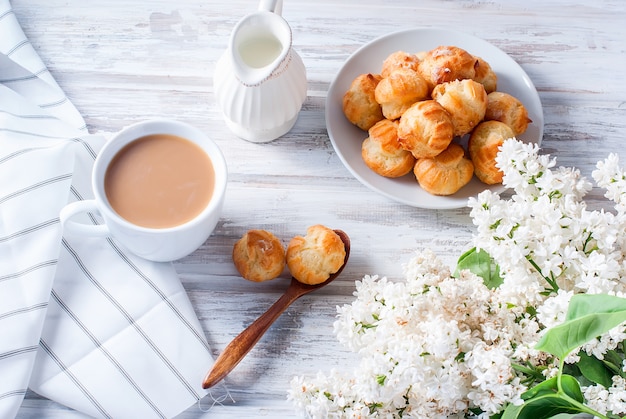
[[243, 343]]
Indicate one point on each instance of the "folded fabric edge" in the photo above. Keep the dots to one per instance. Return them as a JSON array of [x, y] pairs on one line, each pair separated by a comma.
[[26, 66], [30, 255]]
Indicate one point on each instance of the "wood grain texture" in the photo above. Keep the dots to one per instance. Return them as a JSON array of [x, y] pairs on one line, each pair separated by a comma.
[[124, 61]]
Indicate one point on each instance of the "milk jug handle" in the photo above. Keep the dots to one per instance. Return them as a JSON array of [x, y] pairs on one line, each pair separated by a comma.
[[275, 6]]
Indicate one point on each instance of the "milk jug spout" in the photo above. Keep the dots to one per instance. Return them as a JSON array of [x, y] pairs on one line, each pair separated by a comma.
[[260, 43]]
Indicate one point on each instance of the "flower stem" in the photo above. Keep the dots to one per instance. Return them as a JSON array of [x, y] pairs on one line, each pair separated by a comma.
[[583, 408], [551, 282]]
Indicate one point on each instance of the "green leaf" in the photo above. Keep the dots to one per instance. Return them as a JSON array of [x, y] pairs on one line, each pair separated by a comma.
[[614, 361], [511, 412], [545, 387], [594, 370], [583, 304], [588, 317], [571, 387], [542, 407], [480, 263], [569, 384]]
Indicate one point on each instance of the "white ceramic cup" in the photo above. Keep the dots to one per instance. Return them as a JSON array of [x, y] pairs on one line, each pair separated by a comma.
[[157, 244]]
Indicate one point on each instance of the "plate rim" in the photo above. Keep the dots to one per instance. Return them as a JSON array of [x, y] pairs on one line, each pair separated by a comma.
[[438, 202]]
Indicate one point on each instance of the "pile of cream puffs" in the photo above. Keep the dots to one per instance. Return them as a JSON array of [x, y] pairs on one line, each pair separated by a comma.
[[416, 107]]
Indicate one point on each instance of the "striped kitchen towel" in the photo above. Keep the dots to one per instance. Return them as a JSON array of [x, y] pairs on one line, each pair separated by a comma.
[[82, 322]]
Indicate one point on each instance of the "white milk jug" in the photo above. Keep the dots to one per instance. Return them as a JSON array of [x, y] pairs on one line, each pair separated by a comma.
[[260, 81]]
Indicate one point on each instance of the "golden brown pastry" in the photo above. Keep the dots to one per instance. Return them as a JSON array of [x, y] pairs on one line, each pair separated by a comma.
[[381, 151], [483, 146], [359, 102], [508, 109], [447, 63], [312, 258], [445, 173], [399, 90], [466, 102], [485, 75], [425, 129], [420, 56], [399, 59], [259, 256]]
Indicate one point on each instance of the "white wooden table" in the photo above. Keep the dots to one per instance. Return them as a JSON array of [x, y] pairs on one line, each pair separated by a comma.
[[125, 61]]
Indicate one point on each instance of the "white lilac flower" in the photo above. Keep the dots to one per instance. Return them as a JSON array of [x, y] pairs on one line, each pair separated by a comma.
[[428, 343], [548, 225], [494, 385], [596, 397], [604, 400], [438, 346], [616, 402], [612, 178], [552, 311]]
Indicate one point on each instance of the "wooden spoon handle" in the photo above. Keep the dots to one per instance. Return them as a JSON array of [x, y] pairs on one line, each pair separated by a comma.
[[245, 341]]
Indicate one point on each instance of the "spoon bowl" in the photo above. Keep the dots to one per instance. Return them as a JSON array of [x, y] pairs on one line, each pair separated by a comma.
[[245, 341]]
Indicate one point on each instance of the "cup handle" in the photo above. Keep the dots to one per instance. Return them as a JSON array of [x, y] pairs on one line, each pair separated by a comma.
[[274, 6], [81, 229]]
